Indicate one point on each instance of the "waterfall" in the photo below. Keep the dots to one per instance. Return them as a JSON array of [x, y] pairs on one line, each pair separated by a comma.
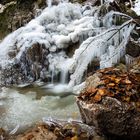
[[52, 76], [64, 76], [54, 31], [65, 67]]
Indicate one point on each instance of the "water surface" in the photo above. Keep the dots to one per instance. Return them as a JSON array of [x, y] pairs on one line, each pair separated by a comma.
[[23, 106]]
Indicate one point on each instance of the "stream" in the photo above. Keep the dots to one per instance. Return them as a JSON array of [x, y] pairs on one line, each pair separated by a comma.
[[23, 106]]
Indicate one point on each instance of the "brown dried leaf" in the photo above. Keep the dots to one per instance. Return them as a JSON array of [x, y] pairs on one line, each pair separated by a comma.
[[138, 104], [74, 138], [97, 98], [128, 81], [106, 81], [110, 94], [102, 92], [117, 80], [111, 84], [91, 90], [129, 87], [126, 98]]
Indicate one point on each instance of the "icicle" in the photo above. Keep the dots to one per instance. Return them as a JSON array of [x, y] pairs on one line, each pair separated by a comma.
[[64, 69], [102, 2], [96, 47], [14, 130], [49, 3], [84, 56], [129, 60]]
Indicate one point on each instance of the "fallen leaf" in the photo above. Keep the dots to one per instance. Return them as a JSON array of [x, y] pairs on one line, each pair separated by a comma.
[[111, 84], [128, 81], [74, 138], [102, 92], [97, 98], [117, 80]]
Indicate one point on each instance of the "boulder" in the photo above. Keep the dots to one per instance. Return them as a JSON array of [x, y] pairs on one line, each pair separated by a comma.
[[29, 67], [111, 103]]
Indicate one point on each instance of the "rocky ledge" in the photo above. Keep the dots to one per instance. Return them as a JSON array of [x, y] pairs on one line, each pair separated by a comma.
[[55, 130], [111, 102]]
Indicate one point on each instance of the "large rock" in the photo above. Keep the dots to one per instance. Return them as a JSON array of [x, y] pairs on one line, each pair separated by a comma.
[[111, 102], [30, 67], [16, 13]]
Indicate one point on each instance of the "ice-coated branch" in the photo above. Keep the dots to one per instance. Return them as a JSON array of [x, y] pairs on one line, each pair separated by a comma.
[[108, 47]]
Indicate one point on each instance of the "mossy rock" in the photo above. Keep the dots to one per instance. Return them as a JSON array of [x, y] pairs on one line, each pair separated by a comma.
[[17, 13]]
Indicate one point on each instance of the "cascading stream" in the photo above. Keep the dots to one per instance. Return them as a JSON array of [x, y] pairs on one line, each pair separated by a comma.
[[53, 30]]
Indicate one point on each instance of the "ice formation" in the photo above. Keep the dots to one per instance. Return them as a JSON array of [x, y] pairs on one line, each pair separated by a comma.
[[49, 2], [137, 7], [56, 28], [59, 27], [109, 47]]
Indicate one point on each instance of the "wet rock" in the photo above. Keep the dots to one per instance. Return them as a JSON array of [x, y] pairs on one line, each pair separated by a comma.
[[136, 66], [132, 52], [40, 132], [3, 134], [28, 68], [133, 48], [111, 102], [59, 130]]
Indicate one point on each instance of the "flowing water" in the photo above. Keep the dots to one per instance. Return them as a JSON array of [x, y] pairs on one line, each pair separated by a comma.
[[23, 106]]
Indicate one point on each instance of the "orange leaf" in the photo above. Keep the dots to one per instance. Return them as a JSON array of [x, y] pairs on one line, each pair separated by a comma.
[[111, 84], [97, 98], [128, 81], [102, 92], [117, 80]]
